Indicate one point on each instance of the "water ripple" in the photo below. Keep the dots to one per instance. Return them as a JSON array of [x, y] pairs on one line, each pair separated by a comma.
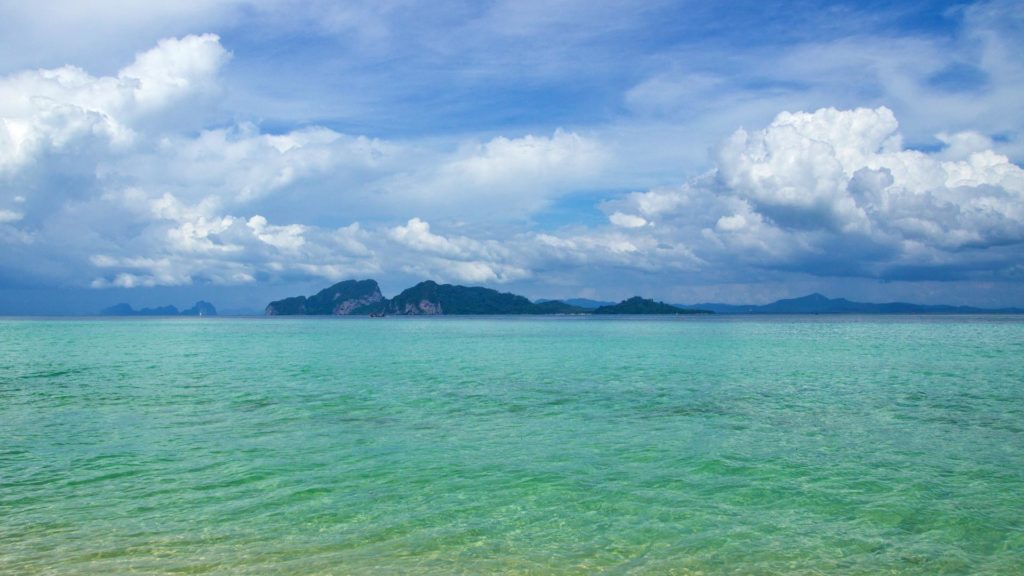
[[832, 446]]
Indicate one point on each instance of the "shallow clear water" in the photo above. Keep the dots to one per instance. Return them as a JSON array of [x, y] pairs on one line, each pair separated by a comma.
[[854, 445]]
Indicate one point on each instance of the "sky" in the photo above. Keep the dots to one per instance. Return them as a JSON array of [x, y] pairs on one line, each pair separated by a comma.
[[244, 151]]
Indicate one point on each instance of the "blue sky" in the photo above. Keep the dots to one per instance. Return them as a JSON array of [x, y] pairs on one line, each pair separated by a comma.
[[689, 151]]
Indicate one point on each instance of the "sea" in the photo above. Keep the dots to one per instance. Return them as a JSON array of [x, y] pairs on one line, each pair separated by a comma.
[[800, 445]]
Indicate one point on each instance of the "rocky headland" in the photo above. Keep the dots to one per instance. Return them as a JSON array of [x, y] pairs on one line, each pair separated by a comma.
[[360, 297]]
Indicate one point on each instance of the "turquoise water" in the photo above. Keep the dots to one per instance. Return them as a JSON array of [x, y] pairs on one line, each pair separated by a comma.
[[534, 446]]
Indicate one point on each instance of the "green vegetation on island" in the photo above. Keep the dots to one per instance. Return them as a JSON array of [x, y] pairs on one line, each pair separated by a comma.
[[432, 298], [638, 305], [363, 297], [343, 298]]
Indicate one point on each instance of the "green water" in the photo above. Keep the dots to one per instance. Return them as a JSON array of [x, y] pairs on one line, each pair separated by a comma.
[[532, 446]]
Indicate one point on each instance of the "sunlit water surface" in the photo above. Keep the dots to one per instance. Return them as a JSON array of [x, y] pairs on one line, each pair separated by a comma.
[[826, 445]]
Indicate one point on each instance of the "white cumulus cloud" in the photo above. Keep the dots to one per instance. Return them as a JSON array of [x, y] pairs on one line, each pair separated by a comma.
[[835, 192], [627, 220], [53, 108]]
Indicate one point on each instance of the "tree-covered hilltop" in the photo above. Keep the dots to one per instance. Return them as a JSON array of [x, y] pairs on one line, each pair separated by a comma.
[[428, 298], [363, 297], [638, 305], [432, 298], [557, 307], [343, 298]]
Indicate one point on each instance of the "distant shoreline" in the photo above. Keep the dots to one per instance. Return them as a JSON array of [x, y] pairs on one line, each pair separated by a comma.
[[539, 317]]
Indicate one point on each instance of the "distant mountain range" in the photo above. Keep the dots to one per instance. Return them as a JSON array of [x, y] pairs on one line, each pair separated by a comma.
[[200, 308], [363, 297], [818, 304]]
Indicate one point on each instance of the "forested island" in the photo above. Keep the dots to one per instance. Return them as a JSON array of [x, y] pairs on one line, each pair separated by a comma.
[[363, 297]]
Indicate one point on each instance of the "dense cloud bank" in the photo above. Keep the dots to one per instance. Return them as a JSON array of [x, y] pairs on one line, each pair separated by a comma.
[[835, 193], [117, 181]]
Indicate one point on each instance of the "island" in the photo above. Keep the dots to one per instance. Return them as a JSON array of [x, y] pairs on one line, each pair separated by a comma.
[[350, 297], [638, 305], [428, 298], [200, 308], [820, 304], [432, 298]]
